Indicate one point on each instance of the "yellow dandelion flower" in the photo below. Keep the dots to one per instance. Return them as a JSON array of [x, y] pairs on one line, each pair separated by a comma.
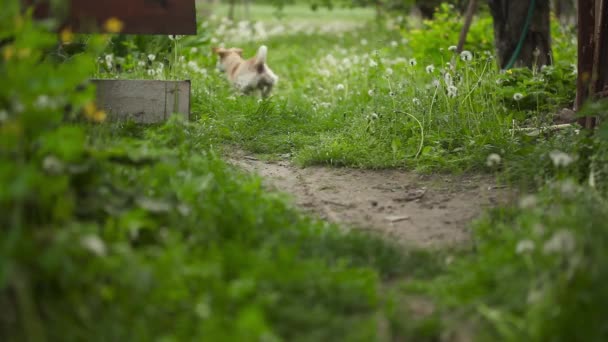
[[113, 25], [66, 35], [510, 71], [99, 116], [24, 53], [8, 52], [89, 110]]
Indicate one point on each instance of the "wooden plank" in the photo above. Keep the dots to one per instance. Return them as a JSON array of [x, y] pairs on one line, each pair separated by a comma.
[[138, 16], [586, 46], [143, 101]]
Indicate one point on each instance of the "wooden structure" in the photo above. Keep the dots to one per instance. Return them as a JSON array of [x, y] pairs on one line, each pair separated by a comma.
[[143, 101], [138, 16], [592, 81]]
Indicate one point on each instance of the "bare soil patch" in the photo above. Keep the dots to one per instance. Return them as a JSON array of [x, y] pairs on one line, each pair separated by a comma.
[[420, 210]]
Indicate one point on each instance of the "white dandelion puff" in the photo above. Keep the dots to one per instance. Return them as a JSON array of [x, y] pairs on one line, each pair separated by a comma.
[[151, 72], [466, 56], [518, 96], [374, 116], [372, 63], [416, 101], [93, 244], [430, 68], [562, 241], [370, 92], [448, 79], [528, 202], [452, 48], [389, 71], [524, 246], [151, 57], [109, 58], [452, 91], [560, 159], [413, 62], [340, 86], [493, 159], [141, 64], [394, 44]]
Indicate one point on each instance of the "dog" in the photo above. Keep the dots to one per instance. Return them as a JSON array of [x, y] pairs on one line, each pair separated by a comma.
[[249, 75]]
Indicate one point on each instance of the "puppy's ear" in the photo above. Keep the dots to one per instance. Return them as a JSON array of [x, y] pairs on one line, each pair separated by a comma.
[[219, 51]]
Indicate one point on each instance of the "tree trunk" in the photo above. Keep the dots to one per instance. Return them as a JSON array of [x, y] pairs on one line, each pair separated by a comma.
[[509, 21]]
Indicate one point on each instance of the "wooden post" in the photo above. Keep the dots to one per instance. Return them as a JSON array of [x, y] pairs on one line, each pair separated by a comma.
[[592, 80]]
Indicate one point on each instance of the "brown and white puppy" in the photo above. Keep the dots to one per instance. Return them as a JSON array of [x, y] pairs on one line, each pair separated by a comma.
[[247, 75]]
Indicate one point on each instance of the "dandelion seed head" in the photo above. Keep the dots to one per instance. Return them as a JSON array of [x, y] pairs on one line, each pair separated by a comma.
[[340, 86], [151, 57], [389, 71], [560, 159], [452, 48], [412, 62], [452, 91], [466, 56], [518, 96], [430, 68], [416, 101], [524, 246], [493, 159]]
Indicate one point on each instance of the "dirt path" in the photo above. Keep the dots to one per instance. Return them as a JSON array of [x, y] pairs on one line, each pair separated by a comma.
[[427, 211]]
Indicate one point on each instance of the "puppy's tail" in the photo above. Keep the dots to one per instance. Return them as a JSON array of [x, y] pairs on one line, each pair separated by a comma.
[[260, 57]]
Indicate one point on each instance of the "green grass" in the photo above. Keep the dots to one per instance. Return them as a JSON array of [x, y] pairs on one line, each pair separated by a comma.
[[125, 232]]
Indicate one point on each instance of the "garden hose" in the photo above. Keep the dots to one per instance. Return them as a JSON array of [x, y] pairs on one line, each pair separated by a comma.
[[524, 33]]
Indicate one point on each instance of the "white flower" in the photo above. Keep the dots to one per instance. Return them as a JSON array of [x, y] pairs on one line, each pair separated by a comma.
[[448, 79], [370, 92], [340, 86], [389, 71], [562, 241], [94, 244], [141, 64], [466, 56], [324, 72], [161, 66], [394, 44], [436, 83], [109, 65], [430, 68], [413, 62], [416, 101], [524, 246], [175, 37], [374, 116], [363, 41], [372, 63], [42, 102], [560, 159], [452, 48], [452, 91], [192, 65], [518, 96], [528, 202], [391, 93], [151, 72], [109, 58], [151, 57], [493, 159]]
